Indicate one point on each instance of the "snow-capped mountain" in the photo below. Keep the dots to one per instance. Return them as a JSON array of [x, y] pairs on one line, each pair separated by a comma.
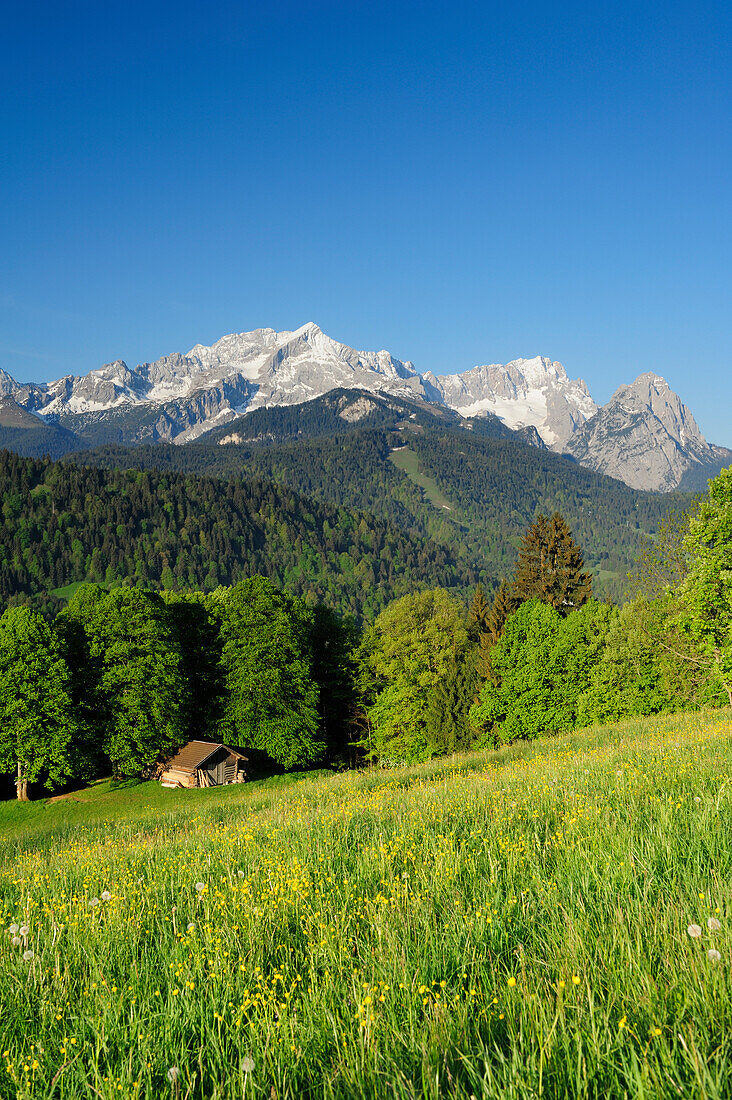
[[524, 393], [187, 395], [644, 435]]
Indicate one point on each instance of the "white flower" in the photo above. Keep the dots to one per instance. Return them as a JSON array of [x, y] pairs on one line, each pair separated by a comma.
[[713, 924], [247, 1063], [697, 798], [13, 930], [106, 896], [190, 927], [16, 941], [713, 956], [93, 903], [173, 1074], [200, 886], [28, 955], [23, 930], [694, 931]]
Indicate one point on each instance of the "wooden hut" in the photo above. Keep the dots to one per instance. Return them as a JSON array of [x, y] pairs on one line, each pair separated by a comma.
[[204, 764]]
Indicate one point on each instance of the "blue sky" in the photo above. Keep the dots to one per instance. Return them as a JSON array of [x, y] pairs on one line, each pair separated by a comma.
[[459, 183]]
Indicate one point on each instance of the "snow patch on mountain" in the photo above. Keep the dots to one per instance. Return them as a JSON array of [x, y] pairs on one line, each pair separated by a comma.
[[523, 393]]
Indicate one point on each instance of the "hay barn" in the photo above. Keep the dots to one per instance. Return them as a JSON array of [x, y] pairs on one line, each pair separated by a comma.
[[204, 764]]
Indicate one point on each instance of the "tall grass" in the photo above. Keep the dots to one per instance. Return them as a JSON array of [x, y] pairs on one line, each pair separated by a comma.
[[500, 925]]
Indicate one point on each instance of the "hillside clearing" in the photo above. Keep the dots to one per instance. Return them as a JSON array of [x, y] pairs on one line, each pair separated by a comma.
[[407, 460], [502, 924]]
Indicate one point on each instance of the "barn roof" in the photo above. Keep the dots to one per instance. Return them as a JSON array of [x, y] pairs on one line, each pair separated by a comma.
[[195, 753]]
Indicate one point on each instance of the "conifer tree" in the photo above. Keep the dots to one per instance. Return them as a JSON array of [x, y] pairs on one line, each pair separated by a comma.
[[486, 621], [478, 615], [504, 604], [550, 566]]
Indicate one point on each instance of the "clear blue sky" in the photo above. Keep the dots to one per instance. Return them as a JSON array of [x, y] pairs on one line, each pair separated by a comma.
[[457, 182]]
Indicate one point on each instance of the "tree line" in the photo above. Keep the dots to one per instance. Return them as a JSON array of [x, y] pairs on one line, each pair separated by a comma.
[[123, 676]]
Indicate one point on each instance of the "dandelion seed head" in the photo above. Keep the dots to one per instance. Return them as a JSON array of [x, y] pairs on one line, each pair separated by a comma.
[[240, 874], [23, 930], [200, 886], [173, 1074], [16, 941], [106, 896], [713, 924], [93, 903], [13, 930], [247, 1063], [694, 931], [28, 955], [713, 955]]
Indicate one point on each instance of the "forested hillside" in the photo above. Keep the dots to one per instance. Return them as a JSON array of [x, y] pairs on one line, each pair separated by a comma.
[[494, 486], [61, 523]]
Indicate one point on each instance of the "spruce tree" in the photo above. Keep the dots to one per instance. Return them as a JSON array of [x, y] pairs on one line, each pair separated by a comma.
[[486, 620], [550, 566], [504, 604], [478, 615]]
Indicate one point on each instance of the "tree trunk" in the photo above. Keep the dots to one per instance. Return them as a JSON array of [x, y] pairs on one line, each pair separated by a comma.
[[21, 785]]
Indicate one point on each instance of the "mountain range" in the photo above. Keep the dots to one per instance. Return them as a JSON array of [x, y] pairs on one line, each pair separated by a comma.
[[644, 436]]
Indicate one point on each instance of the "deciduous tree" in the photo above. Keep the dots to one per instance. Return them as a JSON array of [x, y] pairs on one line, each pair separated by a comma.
[[271, 694], [140, 688], [413, 649], [37, 720], [705, 594]]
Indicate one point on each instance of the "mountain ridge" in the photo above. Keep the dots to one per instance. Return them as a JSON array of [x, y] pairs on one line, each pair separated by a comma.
[[644, 436]]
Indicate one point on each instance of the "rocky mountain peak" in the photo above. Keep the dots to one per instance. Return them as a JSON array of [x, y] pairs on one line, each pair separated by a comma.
[[645, 436], [8, 385], [651, 395]]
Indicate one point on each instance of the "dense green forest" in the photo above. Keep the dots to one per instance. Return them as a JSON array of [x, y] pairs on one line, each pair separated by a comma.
[[122, 677], [495, 487], [61, 524], [469, 488]]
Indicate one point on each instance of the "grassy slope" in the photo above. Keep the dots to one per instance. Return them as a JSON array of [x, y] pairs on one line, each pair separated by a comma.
[[407, 460], [510, 924]]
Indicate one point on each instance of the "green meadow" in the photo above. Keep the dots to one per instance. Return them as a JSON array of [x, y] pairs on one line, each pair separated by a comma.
[[549, 920]]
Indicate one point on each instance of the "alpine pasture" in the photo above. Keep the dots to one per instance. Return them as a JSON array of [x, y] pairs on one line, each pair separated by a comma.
[[549, 920]]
